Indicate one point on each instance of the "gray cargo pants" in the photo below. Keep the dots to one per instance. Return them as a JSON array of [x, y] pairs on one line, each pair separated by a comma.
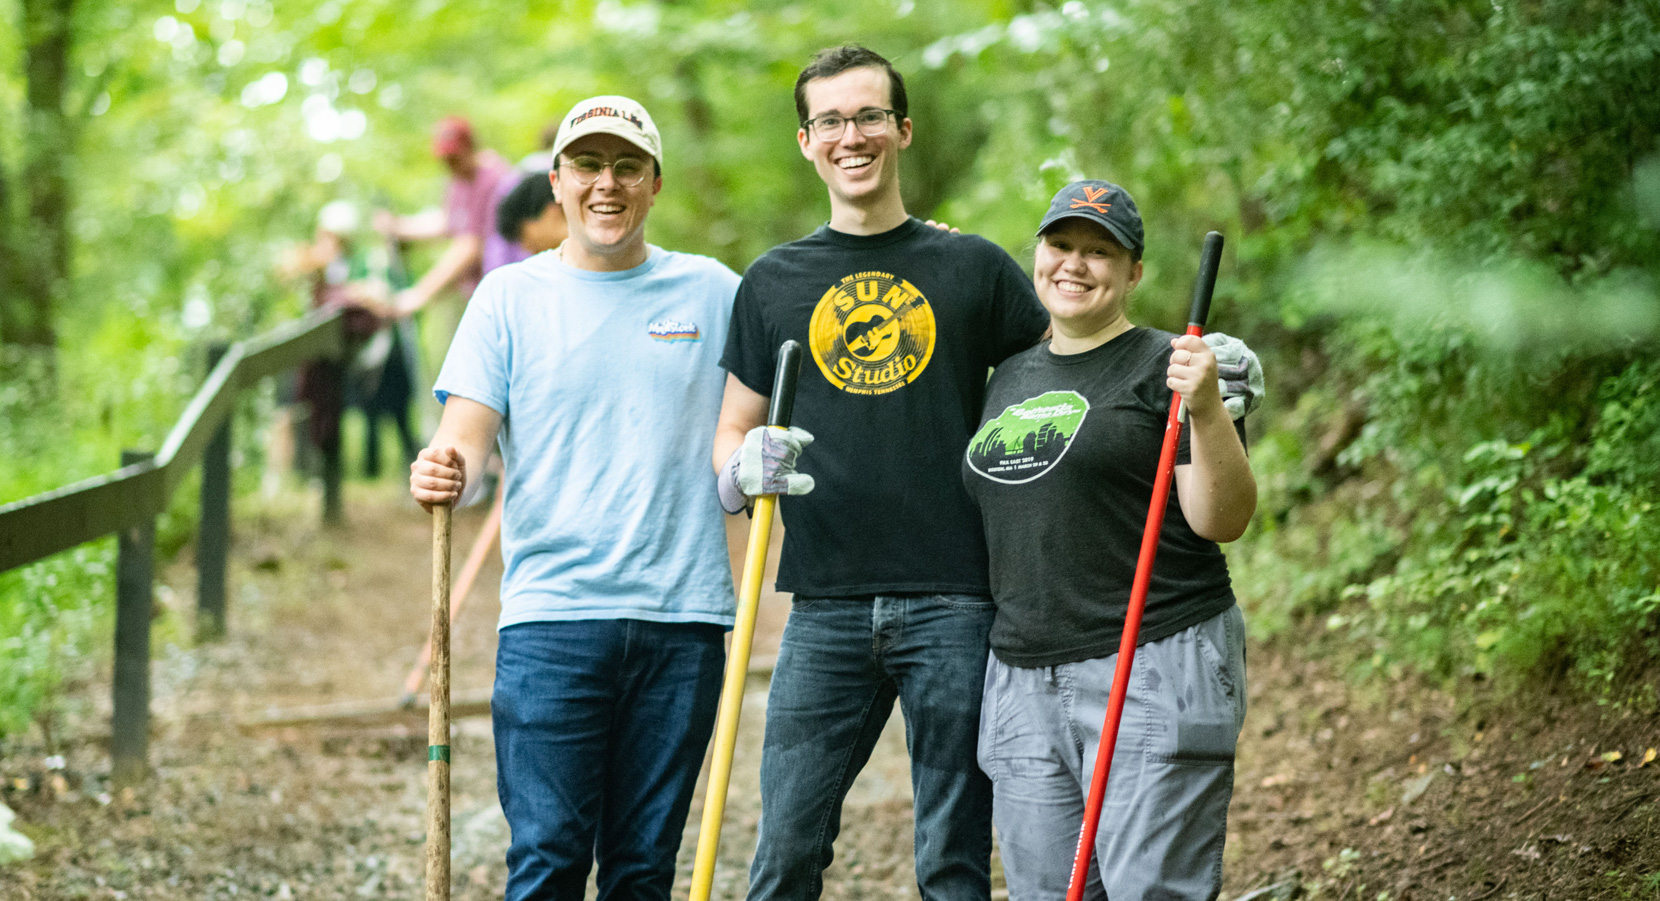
[[1166, 809]]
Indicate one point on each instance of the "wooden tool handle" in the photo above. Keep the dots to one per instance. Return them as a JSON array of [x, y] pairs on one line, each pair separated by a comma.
[[438, 715]]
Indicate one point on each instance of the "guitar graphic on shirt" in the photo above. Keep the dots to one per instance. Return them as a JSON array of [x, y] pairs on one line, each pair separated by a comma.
[[862, 336], [871, 333]]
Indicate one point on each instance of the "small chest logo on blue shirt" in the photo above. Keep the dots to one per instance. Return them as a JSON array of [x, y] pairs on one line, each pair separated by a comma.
[[674, 330]]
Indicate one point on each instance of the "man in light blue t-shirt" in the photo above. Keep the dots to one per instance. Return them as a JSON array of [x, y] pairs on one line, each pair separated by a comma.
[[596, 367]]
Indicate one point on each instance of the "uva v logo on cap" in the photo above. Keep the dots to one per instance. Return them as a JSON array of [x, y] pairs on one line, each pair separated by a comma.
[[612, 115], [1101, 202]]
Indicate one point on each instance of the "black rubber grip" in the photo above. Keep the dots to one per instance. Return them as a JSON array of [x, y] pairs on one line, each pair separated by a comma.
[[1209, 260], [783, 385]]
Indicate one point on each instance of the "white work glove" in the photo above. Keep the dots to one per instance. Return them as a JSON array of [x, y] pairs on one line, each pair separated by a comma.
[[1240, 373], [764, 464]]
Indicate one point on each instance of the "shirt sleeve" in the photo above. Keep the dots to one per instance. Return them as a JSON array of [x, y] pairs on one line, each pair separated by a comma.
[[1184, 444], [477, 364], [1017, 318], [473, 210], [749, 345]]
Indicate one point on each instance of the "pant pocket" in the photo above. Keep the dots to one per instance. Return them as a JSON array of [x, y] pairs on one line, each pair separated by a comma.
[[1021, 732], [1196, 693]]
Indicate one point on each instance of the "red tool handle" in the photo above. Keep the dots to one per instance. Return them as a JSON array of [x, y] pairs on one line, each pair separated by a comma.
[[1209, 259]]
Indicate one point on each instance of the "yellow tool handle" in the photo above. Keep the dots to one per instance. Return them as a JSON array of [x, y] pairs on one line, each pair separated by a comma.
[[732, 699], [781, 407]]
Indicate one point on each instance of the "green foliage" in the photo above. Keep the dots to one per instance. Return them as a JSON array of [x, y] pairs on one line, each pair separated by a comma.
[[50, 615], [1443, 220], [116, 388], [1513, 556]]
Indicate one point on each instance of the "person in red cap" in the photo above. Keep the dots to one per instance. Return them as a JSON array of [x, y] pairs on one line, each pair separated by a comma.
[[468, 217]]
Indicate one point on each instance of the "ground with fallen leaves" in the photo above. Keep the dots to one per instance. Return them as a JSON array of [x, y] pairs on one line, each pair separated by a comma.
[[1344, 790]]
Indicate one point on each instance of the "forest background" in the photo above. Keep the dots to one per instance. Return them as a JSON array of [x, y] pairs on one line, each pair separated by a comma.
[[1444, 224]]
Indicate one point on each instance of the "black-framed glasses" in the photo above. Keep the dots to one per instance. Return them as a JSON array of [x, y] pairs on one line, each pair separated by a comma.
[[831, 126], [628, 171]]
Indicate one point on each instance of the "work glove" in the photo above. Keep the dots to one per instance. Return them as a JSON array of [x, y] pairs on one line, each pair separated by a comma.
[[764, 464], [1240, 373]]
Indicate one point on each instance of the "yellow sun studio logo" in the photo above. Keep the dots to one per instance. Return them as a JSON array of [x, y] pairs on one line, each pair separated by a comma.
[[872, 333]]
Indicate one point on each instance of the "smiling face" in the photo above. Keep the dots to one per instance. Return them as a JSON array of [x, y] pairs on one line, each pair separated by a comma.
[[1084, 279], [860, 171], [606, 220]]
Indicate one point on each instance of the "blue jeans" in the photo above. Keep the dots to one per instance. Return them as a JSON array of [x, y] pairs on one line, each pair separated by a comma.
[[841, 665], [601, 727]]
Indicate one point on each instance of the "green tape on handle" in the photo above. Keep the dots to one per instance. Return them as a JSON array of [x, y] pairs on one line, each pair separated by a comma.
[[438, 752]]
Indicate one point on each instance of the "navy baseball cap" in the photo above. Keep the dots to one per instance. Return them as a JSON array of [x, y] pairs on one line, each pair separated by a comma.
[[1103, 203]]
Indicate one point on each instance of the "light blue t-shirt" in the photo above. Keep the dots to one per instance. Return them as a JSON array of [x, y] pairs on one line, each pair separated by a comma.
[[609, 385]]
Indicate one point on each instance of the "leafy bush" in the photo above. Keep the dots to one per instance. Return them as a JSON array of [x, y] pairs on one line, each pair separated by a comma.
[[1455, 549], [122, 385]]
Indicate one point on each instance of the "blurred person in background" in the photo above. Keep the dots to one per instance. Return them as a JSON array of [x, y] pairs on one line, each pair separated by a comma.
[[467, 218], [504, 246], [338, 276], [530, 217]]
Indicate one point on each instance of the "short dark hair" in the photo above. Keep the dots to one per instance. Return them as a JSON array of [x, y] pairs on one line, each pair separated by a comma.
[[833, 61], [525, 202]]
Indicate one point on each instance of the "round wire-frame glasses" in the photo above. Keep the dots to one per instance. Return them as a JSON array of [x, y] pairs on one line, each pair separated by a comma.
[[628, 171]]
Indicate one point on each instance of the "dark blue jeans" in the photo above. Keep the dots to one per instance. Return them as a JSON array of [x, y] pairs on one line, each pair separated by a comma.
[[841, 665], [601, 727]]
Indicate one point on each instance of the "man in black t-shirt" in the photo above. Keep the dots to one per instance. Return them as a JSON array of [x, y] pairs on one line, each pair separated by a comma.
[[886, 555]]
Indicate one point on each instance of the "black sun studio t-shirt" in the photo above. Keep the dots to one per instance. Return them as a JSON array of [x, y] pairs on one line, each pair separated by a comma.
[[1062, 468], [898, 330]]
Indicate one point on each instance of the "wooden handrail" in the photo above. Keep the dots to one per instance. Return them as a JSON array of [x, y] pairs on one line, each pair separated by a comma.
[[57, 520]]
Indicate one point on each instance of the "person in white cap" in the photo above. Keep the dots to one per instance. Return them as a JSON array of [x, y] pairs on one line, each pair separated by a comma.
[[595, 366]]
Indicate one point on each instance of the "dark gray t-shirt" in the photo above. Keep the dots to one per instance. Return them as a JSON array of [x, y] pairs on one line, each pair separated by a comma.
[[1062, 469]]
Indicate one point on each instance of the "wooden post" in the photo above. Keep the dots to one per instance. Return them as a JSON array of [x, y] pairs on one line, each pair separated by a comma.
[[213, 537], [332, 466], [134, 600]]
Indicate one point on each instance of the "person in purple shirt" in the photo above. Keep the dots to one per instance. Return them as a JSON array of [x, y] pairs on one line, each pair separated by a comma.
[[499, 249], [468, 217]]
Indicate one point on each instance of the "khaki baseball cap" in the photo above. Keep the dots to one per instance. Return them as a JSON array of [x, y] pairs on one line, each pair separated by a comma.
[[610, 115]]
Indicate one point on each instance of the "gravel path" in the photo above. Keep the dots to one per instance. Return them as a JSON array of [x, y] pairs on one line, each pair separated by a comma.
[[1343, 791], [336, 810]]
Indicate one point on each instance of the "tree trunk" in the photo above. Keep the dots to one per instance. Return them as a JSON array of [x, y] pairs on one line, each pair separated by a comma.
[[37, 252], [10, 292]]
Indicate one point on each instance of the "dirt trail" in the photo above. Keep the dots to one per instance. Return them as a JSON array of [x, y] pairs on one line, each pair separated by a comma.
[[1343, 792]]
